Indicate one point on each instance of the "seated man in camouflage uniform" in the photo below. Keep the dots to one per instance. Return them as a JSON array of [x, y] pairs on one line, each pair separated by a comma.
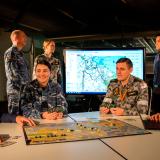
[[126, 95], [42, 98]]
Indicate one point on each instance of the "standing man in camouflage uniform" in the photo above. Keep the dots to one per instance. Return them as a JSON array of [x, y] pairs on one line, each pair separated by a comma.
[[156, 78], [126, 94], [16, 69], [49, 48], [42, 98]]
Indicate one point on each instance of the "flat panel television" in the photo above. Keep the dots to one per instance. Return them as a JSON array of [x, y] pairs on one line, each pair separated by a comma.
[[89, 71]]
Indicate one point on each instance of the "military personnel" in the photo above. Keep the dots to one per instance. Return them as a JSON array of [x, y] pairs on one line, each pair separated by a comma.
[[155, 117], [126, 95], [16, 69], [42, 98], [5, 117], [49, 48], [156, 78]]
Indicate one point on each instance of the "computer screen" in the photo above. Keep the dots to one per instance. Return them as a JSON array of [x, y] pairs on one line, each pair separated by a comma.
[[89, 71]]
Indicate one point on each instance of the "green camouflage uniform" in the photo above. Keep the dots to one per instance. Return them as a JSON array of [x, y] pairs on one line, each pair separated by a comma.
[[136, 96]]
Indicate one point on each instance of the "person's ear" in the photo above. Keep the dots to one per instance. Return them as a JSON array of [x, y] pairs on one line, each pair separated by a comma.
[[131, 69]]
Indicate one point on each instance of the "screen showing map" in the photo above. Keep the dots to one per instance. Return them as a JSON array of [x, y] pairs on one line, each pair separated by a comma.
[[90, 71]]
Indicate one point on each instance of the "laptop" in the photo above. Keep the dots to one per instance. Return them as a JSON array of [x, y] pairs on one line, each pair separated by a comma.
[[151, 125], [148, 124]]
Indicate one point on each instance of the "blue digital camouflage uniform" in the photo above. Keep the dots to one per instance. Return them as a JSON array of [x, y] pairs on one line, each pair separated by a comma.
[[56, 74], [35, 100], [17, 74], [5, 117], [136, 95], [156, 84], [156, 79]]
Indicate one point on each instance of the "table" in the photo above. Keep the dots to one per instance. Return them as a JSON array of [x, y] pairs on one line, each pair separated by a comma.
[[80, 150], [140, 147], [137, 147]]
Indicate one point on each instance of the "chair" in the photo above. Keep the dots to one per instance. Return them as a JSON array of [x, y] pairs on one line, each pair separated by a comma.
[[149, 100]]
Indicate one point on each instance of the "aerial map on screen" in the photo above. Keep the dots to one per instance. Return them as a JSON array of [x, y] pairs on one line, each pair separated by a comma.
[[91, 71]]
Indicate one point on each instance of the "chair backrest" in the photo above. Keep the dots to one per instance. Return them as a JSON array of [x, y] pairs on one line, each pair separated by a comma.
[[149, 100]]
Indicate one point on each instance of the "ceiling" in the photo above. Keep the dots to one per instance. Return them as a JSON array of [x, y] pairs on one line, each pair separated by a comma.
[[128, 23]]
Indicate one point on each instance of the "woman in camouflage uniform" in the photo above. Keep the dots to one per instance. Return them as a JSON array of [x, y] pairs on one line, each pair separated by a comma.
[[49, 48], [42, 98]]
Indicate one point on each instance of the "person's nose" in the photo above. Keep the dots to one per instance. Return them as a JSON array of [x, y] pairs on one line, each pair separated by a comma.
[[118, 71]]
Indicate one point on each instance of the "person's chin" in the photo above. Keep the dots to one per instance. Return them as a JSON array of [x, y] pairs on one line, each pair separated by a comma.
[[42, 80], [119, 78]]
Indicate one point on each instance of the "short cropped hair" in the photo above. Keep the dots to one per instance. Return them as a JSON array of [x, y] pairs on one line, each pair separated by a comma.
[[157, 35], [126, 60], [47, 42], [16, 33], [44, 62]]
